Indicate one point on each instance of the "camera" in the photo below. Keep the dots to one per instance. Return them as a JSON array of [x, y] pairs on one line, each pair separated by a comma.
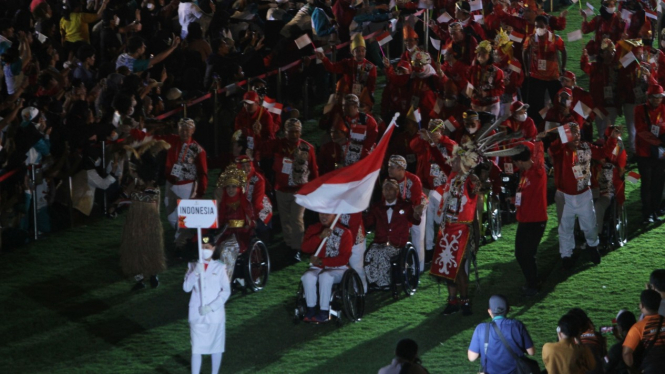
[[606, 330]]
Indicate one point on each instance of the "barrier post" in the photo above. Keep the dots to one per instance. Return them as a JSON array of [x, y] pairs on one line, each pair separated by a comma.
[[33, 176], [104, 166], [184, 109], [279, 85]]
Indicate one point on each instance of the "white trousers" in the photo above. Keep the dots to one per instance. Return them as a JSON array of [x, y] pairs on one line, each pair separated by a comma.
[[173, 193], [357, 261], [433, 205], [629, 116], [581, 206], [418, 239], [326, 278]]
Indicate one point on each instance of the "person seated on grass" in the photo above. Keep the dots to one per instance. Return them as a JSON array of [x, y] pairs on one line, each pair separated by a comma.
[[657, 283], [591, 338], [391, 219], [646, 337], [566, 356], [326, 267], [406, 359], [614, 361]]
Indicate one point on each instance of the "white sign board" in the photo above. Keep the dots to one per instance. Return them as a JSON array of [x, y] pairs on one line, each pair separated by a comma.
[[194, 214]]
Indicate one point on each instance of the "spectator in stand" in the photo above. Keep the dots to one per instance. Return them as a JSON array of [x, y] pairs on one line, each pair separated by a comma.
[[505, 335], [189, 12], [566, 356], [74, 25], [133, 58], [647, 337]]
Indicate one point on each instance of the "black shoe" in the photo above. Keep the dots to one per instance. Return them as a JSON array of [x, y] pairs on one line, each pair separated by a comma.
[[656, 219], [647, 221], [567, 263], [466, 307], [595, 255], [529, 292], [428, 256], [451, 308], [154, 281], [138, 286]]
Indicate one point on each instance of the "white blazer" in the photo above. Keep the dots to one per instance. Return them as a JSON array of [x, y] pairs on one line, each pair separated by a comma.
[[216, 291]]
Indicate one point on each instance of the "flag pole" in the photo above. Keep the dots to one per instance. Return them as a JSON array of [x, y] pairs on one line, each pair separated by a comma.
[[200, 264], [332, 226]]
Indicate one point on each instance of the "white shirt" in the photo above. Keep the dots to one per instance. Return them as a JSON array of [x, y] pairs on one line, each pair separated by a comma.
[[394, 368], [390, 211]]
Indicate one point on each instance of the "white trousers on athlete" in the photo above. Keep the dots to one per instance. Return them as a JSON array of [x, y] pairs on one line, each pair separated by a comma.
[[432, 206], [581, 206], [357, 261], [326, 278], [418, 238]]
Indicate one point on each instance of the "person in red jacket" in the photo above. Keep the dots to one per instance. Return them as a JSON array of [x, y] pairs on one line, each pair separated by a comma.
[[518, 121], [254, 120], [531, 206], [410, 190], [186, 168], [572, 174], [294, 164], [396, 97], [391, 218], [540, 58], [486, 79], [513, 74], [326, 267], [358, 74], [432, 174], [255, 191], [362, 128], [650, 128], [410, 44], [561, 112], [333, 154], [608, 24], [603, 82]]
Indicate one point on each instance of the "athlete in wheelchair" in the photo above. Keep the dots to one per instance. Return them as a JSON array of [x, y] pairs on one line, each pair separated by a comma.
[[329, 281], [246, 258], [391, 260]]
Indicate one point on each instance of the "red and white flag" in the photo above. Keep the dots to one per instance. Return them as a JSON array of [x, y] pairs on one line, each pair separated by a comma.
[[651, 13], [384, 38], [268, 102], [516, 37], [582, 109], [565, 134], [633, 177], [349, 189], [514, 66], [303, 41], [277, 109], [451, 124]]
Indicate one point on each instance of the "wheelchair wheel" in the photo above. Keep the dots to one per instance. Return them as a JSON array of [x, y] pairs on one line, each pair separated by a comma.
[[301, 304], [620, 225], [353, 295], [410, 273], [257, 267], [494, 216]]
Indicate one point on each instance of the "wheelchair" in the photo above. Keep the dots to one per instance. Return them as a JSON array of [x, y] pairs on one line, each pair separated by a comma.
[[615, 224], [491, 221], [404, 271], [252, 266], [347, 299], [509, 186]]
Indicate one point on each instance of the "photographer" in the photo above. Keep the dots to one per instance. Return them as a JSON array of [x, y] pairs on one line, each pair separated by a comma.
[[657, 283], [646, 337], [614, 361]]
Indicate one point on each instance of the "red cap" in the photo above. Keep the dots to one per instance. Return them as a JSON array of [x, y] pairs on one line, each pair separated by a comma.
[[569, 75], [251, 97], [655, 90], [404, 65], [565, 90], [517, 106]]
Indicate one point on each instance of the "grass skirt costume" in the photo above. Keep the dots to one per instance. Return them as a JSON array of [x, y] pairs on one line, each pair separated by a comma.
[[142, 245]]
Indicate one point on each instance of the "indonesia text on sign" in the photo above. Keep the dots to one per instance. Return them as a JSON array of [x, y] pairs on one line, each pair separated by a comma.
[[197, 213]]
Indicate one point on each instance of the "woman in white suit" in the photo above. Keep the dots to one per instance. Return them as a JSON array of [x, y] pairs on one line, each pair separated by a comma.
[[207, 318]]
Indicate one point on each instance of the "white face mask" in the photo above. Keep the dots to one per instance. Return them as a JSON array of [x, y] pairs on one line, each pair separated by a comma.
[[207, 254], [541, 32], [449, 103], [520, 117], [150, 6], [473, 130], [610, 10]]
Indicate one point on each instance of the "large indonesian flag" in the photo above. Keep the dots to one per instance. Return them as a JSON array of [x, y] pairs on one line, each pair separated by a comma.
[[349, 189]]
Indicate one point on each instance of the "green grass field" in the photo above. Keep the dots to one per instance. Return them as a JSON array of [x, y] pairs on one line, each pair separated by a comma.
[[66, 308]]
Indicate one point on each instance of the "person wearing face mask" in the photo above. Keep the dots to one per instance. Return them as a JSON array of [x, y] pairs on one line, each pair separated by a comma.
[[572, 174], [541, 63], [486, 79], [207, 318], [603, 82], [650, 127], [518, 121], [561, 112], [255, 191], [607, 25], [634, 80], [513, 74], [464, 17], [358, 74]]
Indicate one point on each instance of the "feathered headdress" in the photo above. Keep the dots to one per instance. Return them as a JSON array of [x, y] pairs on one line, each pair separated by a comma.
[[142, 154], [503, 42]]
